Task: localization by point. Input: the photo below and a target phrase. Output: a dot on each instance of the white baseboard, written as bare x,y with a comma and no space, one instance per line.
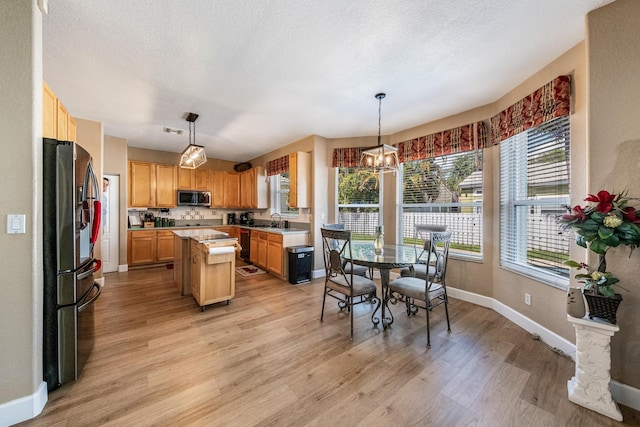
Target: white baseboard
24,408
100,281
318,273
123,267
621,393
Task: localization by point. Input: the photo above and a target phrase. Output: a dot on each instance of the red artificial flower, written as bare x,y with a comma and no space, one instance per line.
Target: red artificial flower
579,214
630,214
604,200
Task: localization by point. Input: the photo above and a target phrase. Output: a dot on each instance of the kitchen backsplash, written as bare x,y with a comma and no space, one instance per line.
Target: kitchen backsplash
195,214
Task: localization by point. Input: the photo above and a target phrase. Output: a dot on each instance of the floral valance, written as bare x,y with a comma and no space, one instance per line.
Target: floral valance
347,157
550,101
463,138
278,166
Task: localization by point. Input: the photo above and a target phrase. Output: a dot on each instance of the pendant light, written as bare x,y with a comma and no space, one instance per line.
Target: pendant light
382,157
193,156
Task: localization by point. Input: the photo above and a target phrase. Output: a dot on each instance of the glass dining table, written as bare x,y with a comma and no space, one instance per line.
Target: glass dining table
393,256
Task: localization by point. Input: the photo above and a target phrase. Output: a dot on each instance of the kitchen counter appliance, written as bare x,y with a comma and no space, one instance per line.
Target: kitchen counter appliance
245,242
71,224
194,198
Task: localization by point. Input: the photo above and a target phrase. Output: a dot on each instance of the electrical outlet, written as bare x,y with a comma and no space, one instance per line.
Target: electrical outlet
527,299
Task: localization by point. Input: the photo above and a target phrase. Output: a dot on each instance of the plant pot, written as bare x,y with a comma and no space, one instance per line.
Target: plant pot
604,307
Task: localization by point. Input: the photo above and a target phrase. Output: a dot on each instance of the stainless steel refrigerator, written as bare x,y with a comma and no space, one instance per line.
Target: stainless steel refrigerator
71,221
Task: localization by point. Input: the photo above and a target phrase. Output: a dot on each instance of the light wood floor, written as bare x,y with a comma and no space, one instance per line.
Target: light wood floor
266,359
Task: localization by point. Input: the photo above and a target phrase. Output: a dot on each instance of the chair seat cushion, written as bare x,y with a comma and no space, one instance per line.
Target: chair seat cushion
361,285
414,287
360,270
420,271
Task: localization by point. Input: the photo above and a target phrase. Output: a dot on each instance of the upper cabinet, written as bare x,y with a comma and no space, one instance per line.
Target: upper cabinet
194,179
49,112
218,183
299,179
232,190
253,189
152,185
57,123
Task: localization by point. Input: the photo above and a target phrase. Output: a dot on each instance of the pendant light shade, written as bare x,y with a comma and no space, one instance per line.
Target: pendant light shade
382,157
193,156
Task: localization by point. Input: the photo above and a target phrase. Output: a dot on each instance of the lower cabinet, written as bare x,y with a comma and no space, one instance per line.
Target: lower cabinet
275,254
149,247
213,275
268,250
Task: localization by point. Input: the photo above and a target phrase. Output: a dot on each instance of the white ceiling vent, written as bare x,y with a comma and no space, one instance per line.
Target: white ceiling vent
174,131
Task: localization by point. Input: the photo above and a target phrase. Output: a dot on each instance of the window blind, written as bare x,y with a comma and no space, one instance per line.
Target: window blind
445,190
358,201
534,188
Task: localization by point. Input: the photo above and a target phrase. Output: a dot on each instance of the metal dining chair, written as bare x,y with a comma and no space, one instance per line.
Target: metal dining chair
431,288
348,267
347,287
423,234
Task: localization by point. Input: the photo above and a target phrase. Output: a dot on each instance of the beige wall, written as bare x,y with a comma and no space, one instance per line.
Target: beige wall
115,163
613,43
487,277
166,157
21,193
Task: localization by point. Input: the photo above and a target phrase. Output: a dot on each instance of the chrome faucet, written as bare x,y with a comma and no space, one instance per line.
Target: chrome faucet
279,219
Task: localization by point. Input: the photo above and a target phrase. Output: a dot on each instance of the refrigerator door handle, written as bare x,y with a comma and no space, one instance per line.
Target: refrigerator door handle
86,273
93,298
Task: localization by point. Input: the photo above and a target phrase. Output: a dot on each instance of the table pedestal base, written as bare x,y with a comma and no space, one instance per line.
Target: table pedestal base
590,386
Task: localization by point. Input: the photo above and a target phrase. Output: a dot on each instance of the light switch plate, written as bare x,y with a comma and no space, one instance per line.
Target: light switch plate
16,224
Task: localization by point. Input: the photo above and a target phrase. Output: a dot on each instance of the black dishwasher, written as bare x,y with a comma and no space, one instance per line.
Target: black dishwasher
245,242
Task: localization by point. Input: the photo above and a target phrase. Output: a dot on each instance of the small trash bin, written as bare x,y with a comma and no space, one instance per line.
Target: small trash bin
300,263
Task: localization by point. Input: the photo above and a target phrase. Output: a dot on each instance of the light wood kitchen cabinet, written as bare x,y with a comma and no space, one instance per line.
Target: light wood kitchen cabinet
232,190
253,248
213,276
299,179
71,129
258,250
141,247
186,179
152,185
196,269
142,184
193,179
253,189
166,177
150,247
217,186
164,245
57,123
63,122
49,112
262,250
275,254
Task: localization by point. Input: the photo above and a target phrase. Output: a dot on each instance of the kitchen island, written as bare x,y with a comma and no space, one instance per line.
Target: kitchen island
182,253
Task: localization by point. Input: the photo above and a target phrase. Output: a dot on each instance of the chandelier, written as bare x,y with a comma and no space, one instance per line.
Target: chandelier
382,157
193,156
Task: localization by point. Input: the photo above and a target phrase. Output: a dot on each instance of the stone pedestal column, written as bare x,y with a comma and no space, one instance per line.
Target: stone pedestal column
590,385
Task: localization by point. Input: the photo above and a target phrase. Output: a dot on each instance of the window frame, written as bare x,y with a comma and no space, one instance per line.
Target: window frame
477,209
276,197
514,197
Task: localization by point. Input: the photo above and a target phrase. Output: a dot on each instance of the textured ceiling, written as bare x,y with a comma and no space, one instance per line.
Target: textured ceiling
263,74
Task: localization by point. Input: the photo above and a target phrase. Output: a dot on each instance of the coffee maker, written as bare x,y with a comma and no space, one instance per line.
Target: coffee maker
231,218
245,218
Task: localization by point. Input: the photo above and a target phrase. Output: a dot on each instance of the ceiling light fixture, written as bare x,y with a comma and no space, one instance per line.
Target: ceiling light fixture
194,155
382,157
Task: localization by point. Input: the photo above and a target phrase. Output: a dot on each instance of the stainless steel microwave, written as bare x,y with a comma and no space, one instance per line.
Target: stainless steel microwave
194,198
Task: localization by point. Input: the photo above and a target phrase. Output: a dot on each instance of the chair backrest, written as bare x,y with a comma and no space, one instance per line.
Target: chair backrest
423,233
336,247
336,226
440,256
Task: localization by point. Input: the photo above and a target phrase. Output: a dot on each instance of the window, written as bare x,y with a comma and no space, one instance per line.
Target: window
534,188
280,194
358,201
445,190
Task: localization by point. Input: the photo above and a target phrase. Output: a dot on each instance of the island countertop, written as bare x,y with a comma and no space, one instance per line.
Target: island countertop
200,234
